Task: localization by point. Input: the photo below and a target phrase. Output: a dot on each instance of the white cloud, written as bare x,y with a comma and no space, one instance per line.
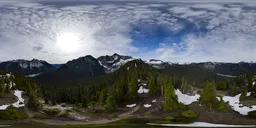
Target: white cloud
100,30
193,14
213,7
29,30
230,36
179,10
220,47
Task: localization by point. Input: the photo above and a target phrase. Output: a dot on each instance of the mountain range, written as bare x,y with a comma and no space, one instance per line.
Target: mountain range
90,66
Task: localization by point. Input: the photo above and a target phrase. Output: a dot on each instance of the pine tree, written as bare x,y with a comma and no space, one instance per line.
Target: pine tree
33,102
103,96
244,93
132,88
208,94
233,89
152,86
161,80
171,99
121,89
111,101
184,86
1,90
221,105
223,85
249,78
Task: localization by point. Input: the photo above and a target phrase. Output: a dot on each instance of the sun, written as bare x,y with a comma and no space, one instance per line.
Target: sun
68,42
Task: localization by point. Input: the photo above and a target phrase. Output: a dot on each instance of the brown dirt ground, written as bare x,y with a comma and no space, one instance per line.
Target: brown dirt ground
213,116
8,99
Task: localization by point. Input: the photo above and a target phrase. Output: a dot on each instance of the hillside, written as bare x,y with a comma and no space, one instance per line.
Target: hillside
233,69
83,68
196,75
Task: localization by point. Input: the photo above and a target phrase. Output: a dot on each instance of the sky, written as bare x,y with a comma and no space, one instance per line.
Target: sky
186,31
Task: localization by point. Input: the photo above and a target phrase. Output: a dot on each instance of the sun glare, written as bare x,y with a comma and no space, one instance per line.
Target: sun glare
68,42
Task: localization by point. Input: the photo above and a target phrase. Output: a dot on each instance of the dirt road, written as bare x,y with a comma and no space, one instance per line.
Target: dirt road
102,121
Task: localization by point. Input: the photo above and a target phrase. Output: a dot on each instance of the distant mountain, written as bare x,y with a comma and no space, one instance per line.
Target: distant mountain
84,66
159,64
26,67
57,65
112,63
233,69
81,68
219,68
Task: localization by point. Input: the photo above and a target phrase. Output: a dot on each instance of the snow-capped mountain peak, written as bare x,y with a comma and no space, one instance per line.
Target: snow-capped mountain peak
113,62
159,64
154,61
26,67
30,64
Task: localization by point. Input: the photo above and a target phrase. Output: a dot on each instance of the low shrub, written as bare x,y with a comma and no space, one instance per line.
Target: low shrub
252,114
41,116
172,120
113,115
148,113
65,114
169,118
189,114
166,120
11,114
51,111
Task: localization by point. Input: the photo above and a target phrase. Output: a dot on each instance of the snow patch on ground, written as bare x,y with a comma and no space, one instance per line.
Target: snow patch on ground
186,99
131,105
202,124
230,76
234,102
8,75
142,90
18,104
33,75
153,101
11,84
248,93
147,105
77,116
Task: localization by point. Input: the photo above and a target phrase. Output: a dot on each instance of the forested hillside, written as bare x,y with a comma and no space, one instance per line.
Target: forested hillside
121,86
194,74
